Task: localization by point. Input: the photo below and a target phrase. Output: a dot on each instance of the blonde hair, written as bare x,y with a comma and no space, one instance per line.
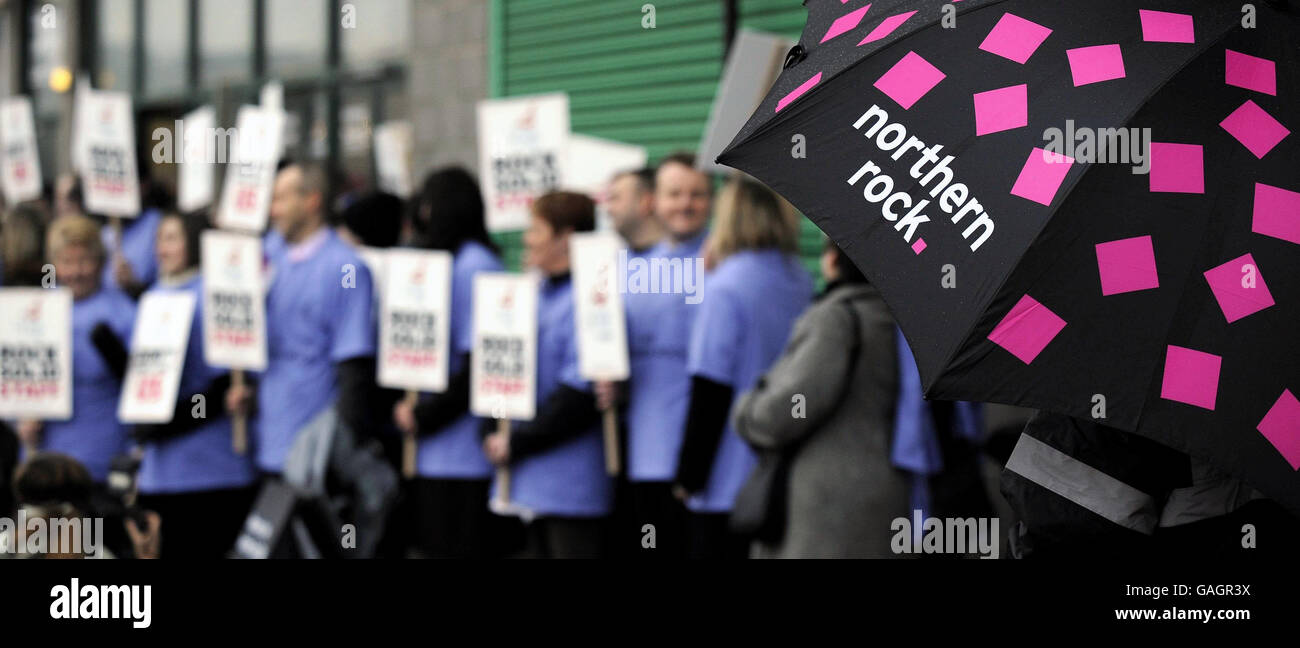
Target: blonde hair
73,230
749,216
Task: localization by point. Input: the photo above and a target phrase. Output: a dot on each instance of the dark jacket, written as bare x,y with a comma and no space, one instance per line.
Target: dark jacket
1080,488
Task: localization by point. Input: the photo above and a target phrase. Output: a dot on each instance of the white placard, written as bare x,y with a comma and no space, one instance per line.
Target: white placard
246,194
414,320
355,129
36,353
20,165
753,65
593,161
110,185
598,317
158,345
503,376
80,155
523,147
196,181
393,158
271,96
234,306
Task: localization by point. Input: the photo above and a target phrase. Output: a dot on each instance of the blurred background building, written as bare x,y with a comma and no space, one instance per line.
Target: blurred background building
348,65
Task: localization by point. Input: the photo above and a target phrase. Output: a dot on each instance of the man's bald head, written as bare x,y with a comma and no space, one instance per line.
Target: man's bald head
298,200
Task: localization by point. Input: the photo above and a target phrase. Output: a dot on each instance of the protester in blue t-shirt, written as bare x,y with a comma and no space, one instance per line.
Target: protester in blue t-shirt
320,331
189,472
660,311
558,482
752,296
453,475
101,323
631,207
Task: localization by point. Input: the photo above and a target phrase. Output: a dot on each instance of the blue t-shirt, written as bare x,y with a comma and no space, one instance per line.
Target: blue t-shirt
568,479
272,244
201,459
139,237
659,331
93,436
751,301
454,452
317,315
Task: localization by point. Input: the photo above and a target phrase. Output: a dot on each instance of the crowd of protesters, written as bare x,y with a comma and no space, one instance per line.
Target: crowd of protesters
756,371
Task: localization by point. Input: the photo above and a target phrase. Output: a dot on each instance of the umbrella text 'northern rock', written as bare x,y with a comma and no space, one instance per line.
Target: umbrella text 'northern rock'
953,198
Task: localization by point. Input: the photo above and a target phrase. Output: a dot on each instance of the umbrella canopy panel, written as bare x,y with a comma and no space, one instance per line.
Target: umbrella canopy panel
1164,293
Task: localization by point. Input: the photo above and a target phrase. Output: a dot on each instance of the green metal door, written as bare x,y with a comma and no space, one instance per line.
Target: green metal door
628,78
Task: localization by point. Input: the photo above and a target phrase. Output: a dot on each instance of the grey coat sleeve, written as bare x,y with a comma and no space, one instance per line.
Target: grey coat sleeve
813,366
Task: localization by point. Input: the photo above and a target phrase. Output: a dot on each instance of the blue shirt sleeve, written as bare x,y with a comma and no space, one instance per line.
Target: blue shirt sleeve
143,260
569,373
353,333
462,311
123,319
715,338
470,260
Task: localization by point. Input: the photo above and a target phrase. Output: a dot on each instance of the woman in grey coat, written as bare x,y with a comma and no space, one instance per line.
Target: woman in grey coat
829,400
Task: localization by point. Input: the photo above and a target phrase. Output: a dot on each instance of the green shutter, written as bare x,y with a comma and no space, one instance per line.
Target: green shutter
651,87
784,17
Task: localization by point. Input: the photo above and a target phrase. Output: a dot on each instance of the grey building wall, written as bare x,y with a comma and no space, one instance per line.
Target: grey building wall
447,76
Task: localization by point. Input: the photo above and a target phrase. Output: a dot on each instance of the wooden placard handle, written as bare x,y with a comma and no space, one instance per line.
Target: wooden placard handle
33,446
408,441
611,441
238,420
503,472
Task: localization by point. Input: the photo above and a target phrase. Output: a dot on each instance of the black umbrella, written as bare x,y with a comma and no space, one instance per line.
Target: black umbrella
1155,288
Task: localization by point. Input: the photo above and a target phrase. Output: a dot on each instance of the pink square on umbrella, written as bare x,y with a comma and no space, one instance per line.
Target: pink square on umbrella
1276,213
1001,109
1027,329
1095,64
886,27
1166,27
1176,168
1127,265
798,92
1254,128
845,23
1281,426
909,79
1239,287
1042,176
1015,38
1191,376
1250,72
